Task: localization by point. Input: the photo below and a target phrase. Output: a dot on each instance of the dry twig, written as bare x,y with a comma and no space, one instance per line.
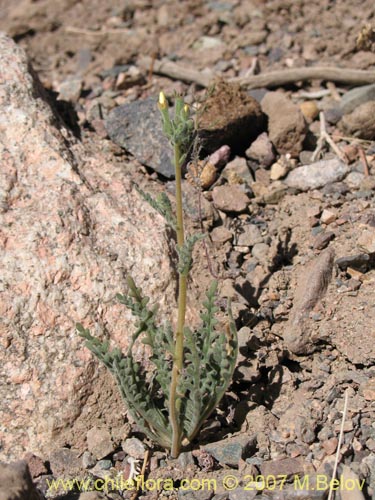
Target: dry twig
142,473
337,458
325,137
271,79
364,161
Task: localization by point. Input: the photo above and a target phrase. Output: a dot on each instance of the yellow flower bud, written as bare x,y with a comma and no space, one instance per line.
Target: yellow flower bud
186,108
162,101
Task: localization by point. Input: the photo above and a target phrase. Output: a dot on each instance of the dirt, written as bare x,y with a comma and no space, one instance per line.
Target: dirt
290,397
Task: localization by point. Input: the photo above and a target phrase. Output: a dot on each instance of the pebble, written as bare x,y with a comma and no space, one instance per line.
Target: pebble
360,122
321,240
134,447
333,115
104,464
229,451
88,460
221,235
64,462
185,458
328,216
366,241
360,262
316,175
220,157
368,390
36,465
208,175
330,445
230,198
278,171
286,125
70,90
237,172
284,466
262,150
130,78
99,442
249,236
260,251
309,110
127,123
354,179
355,97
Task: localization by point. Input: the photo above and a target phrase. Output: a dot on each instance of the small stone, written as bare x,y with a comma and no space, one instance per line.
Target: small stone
354,179
131,77
283,466
330,445
163,15
249,236
127,123
88,460
207,43
309,110
230,198
328,216
360,123
134,447
366,241
99,442
185,458
260,251
261,150
64,462
368,390
221,235
70,90
360,262
286,124
237,172
208,175
104,464
36,465
220,157
229,451
333,115
243,335
321,241
316,175
278,171
353,273
355,97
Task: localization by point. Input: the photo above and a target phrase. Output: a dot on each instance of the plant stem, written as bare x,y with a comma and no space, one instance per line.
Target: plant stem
174,401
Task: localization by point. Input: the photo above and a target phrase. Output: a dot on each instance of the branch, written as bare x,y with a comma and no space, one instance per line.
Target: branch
271,79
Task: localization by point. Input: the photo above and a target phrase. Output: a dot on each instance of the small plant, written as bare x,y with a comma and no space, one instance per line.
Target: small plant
193,368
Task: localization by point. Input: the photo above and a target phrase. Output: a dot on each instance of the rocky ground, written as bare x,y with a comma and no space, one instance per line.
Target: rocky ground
286,186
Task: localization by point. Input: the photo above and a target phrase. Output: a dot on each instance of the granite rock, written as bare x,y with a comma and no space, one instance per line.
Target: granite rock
72,227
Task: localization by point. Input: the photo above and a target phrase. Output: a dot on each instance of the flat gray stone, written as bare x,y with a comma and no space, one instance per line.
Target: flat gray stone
355,97
317,175
137,127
